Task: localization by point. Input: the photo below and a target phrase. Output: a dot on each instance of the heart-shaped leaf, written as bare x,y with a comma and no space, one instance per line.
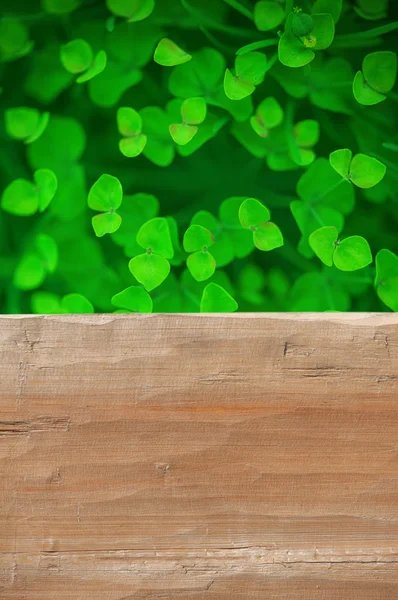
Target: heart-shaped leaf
133,299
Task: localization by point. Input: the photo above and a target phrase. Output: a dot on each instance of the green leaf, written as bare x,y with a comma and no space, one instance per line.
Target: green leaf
159,147
154,235
132,10
253,213
30,272
45,303
168,54
333,7
292,52
323,31
352,254
268,15
306,133
20,198
46,184
193,111
76,56
341,161
323,243
133,299
320,184
216,299
371,10
366,171
182,133
149,269
20,123
14,39
250,69
380,70
105,194
269,114
42,126
363,93
60,7
97,66
267,237
196,238
106,223
47,250
129,123
76,304
387,278
201,265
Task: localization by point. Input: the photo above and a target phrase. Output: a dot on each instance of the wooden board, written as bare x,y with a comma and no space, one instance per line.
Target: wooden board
199,457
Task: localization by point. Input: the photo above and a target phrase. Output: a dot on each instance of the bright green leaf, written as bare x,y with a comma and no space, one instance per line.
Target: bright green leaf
366,171
352,253
97,66
380,70
76,304
201,265
168,54
76,56
268,15
133,299
30,272
154,235
193,111
149,269
216,299
182,133
267,237
253,213
196,238
47,184
20,198
47,249
106,223
292,52
105,194
323,243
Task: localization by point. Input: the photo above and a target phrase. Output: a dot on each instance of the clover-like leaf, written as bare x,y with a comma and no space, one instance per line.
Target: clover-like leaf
371,10
76,304
105,194
129,124
292,52
333,7
352,253
267,236
269,114
377,78
76,56
24,198
323,32
216,299
47,249
201,265
106,223
96,67
154,235
268,15
46,186
25,124
387,278
133,299
196,238
168,54
366,171
193,111
46,303
253,213
182,133
30,272
323,243
362,170
306,133
132,10
150,269
250,69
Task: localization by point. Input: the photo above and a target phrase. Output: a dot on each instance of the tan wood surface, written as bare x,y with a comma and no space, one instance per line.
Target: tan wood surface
199,457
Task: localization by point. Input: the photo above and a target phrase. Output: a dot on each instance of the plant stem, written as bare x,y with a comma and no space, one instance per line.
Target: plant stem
331,189
257,46
203,19
289,116
369,34
242,9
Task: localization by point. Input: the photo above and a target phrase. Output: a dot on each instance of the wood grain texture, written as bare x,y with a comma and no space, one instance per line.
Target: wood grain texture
199,457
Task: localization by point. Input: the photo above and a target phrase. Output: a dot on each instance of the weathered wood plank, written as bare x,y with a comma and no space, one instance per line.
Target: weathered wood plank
199,456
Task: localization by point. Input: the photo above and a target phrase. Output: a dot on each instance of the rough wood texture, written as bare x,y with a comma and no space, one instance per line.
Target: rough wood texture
199,457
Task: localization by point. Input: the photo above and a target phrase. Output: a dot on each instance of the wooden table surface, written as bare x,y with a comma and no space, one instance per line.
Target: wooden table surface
199,457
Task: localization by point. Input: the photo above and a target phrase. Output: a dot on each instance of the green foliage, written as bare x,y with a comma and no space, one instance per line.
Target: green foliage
377,78
151,188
